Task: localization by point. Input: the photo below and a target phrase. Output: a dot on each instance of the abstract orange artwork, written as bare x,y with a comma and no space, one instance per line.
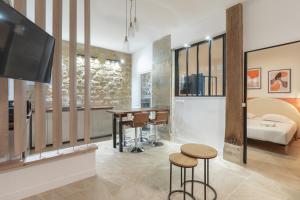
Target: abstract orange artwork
280,81
254,78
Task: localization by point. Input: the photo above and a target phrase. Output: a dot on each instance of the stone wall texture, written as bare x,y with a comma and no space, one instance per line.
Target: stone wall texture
110,82
162,72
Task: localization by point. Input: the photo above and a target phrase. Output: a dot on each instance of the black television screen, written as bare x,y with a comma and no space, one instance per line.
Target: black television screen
26,51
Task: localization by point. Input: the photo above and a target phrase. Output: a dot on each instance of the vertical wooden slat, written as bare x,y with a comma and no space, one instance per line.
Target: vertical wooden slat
234,75
3,116
57,76
40,125
72,73
20,128
87,44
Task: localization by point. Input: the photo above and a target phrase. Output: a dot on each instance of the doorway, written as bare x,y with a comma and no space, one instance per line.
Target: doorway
272,94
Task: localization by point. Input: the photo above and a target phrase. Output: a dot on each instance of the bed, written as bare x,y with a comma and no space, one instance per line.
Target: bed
261,128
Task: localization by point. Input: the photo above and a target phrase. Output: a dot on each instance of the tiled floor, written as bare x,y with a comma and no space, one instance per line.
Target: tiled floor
126,176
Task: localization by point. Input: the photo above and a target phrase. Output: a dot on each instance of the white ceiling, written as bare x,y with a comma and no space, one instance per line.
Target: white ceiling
156,17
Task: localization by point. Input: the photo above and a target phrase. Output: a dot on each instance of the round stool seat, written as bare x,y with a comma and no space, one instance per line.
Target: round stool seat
199,151
181,160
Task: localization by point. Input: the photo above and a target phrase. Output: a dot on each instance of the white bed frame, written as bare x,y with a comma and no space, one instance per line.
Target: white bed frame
261,106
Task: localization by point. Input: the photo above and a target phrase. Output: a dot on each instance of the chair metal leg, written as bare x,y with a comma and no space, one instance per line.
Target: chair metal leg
142,139
156,143
136,148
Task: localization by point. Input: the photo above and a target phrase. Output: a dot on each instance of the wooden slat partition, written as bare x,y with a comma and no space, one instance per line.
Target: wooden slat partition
234,75
40,121
57,76
87,44
3,116
72,73
20,127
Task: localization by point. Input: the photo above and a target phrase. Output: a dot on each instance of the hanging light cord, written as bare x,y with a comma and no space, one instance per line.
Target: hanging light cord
135,9
126,20
130,10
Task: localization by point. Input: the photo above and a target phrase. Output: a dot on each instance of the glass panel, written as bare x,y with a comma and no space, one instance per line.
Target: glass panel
217,67
182,73
203,69
192,71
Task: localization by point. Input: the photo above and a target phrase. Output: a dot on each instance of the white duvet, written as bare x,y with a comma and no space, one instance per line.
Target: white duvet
276,132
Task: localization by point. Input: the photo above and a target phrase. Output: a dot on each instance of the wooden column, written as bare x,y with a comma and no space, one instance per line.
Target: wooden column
72,73
3,116
57,76
87,44
20,126
234,76
40,110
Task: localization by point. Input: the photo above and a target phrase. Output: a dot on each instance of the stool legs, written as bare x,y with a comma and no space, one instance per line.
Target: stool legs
184,189
156,143
205,180
192,182
170,178
181,176
184,185
136,148
142,138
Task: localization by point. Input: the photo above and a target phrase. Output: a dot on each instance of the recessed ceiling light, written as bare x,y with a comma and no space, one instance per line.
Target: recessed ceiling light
122,61
208,38
187,45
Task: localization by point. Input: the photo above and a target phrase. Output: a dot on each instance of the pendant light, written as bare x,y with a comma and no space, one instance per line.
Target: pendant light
131,28
135,21
126,42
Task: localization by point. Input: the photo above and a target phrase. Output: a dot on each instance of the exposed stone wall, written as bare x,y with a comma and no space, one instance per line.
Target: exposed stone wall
110,83
162,72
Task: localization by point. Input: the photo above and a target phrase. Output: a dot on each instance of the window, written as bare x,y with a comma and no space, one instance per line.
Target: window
200,69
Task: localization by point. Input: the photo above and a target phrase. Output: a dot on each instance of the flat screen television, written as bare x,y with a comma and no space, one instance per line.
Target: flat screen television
26,51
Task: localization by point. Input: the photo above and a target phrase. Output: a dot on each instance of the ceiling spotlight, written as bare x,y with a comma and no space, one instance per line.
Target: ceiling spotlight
187,45
208,38
122,61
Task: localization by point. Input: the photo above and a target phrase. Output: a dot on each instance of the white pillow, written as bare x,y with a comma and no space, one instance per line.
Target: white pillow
250,115
275,118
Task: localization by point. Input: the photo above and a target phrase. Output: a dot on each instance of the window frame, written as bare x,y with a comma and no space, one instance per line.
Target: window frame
223,36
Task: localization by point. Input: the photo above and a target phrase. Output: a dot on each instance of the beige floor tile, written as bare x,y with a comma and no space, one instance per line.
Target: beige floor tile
127,176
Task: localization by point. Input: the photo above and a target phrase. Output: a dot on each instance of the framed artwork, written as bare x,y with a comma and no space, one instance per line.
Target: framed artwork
254,78
279,81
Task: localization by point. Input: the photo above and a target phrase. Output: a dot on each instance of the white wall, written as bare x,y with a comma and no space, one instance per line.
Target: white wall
265,23
269,22
283,57
141,63
200,120
28,181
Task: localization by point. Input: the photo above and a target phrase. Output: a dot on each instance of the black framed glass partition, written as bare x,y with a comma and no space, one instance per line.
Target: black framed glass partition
200,68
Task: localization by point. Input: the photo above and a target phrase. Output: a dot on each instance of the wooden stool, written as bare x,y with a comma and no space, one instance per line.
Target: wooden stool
200,151
139,121
184,162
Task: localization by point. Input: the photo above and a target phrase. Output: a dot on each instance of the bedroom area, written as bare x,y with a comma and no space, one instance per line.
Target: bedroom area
273,99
